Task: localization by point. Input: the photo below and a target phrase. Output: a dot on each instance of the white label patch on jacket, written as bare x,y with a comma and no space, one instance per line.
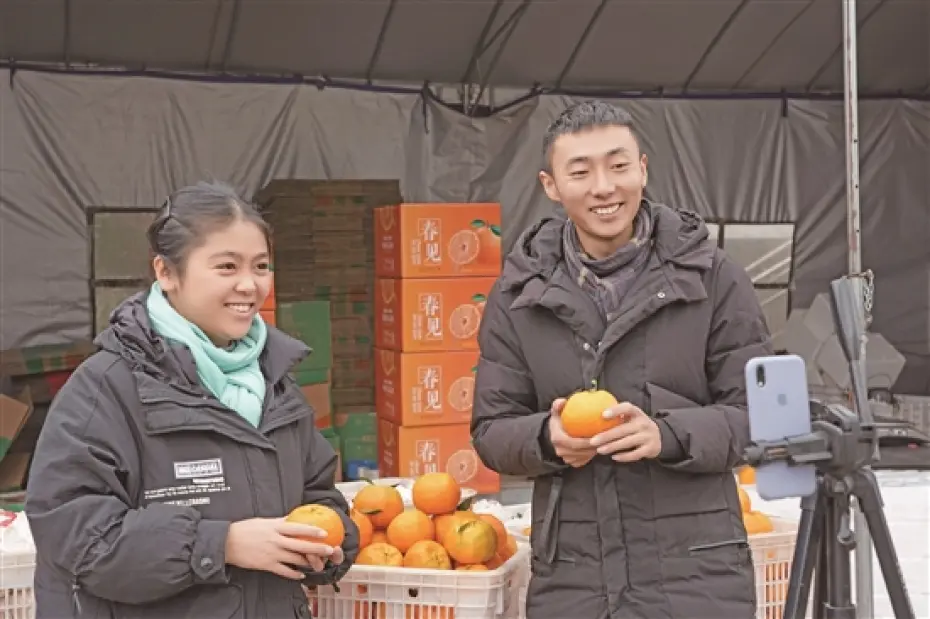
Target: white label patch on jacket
204,478
198,468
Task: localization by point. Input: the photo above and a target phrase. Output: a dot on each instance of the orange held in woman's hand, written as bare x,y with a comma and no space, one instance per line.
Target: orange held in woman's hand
324,518
583,413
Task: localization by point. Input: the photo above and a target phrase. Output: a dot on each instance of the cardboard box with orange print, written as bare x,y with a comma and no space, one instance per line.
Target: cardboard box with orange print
438,240
425,388
420,315
409,452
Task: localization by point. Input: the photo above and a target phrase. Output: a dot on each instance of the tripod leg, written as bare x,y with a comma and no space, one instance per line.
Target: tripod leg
838,541
865,488
807,551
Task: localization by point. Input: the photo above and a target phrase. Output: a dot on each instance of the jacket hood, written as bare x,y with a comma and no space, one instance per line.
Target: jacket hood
681,238
131,336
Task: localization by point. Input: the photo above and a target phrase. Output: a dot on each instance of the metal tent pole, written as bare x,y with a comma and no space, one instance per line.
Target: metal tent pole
864,581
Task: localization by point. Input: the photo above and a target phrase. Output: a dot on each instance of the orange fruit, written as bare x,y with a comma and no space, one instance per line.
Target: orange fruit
471,542
436,493
408,528
463,465
745,502
757,523
464,321
746,475
498,528
505,549
380,503
445,522
380,554
365,529
427,554
323,517
379,537
462,393
583,414
464,247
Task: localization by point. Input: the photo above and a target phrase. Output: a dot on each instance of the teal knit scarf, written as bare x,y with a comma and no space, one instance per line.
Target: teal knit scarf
232,375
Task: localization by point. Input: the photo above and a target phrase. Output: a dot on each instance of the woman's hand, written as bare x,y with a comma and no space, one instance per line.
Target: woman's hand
274,545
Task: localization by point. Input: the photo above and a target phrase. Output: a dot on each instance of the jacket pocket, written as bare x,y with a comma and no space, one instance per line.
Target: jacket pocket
711,580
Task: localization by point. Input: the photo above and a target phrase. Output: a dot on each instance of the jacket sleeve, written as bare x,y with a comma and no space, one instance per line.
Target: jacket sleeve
320,488
509,434
79,504
711,439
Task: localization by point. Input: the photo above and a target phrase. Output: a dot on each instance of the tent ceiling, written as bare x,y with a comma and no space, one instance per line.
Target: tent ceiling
696,45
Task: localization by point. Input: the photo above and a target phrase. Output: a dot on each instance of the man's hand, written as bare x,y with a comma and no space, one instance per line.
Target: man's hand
635,439
576,452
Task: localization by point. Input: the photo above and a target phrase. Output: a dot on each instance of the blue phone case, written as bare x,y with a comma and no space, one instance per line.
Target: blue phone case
779,408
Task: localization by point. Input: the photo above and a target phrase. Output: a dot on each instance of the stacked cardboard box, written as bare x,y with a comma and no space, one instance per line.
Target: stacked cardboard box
323,251
31,378
435,264
358,436
309,322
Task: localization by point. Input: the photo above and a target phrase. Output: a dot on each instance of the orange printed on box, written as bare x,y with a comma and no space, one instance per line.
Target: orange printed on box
410,452
425,388
420,315
438,240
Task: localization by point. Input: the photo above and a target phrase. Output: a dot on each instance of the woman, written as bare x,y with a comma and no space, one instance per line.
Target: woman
170,457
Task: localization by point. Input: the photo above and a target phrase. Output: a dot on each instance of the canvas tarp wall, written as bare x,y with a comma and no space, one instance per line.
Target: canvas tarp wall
71,141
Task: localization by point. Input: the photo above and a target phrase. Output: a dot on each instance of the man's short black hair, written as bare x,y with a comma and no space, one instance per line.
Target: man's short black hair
586,115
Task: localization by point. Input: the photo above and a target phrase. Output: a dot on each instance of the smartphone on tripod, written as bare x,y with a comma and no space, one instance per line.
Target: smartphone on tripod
778,403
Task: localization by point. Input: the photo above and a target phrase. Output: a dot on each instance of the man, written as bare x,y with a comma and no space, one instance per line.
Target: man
642,521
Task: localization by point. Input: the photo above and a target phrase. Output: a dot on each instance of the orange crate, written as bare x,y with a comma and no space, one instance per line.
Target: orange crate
409,452
420,315
429,388
438,240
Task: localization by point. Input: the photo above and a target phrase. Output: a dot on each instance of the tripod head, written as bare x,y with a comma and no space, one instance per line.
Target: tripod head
842,440
838,445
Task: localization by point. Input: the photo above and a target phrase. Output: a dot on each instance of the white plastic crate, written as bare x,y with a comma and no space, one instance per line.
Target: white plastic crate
771,554
16,577
17,567
372,592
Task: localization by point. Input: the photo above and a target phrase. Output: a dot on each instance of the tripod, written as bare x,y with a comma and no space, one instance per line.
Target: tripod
841,449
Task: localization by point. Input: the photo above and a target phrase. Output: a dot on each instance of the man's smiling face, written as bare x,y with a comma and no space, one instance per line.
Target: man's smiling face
598,175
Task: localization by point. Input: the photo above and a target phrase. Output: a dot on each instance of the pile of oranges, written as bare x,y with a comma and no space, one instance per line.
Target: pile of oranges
438,532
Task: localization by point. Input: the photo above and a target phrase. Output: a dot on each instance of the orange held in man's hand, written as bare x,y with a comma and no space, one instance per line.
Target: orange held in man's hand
583,413
324,518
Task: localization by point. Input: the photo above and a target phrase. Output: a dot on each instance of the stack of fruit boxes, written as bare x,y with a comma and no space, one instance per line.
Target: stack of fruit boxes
435,265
